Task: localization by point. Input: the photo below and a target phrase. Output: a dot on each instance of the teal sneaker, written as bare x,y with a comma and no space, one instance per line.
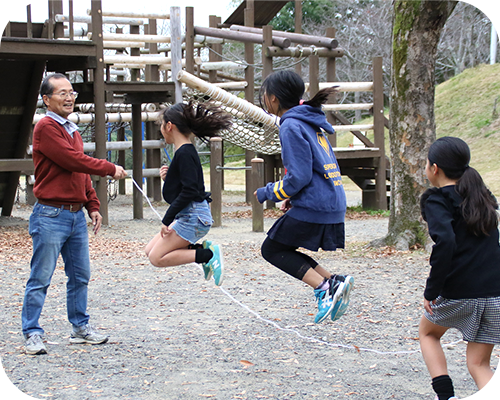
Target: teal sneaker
329,300
348,286
216,264
207,271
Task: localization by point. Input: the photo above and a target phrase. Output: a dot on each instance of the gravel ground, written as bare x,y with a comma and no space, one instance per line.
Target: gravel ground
175,336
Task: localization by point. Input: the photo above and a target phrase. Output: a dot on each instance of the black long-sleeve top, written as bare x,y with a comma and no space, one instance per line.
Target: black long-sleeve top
463,265
184,182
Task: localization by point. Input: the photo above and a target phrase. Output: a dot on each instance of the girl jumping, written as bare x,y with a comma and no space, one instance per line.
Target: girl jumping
188,219
463,287
312,192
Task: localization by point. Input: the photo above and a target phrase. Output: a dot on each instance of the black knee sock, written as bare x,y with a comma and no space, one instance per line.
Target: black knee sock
443,386
203,255
195,246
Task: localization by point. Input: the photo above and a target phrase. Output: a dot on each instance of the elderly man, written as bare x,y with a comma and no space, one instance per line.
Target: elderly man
58,224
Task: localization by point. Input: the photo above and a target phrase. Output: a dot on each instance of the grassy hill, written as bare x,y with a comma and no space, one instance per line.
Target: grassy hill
464,108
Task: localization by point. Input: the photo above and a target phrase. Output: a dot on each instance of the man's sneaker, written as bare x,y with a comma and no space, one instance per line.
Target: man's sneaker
348,285
328,299
216,264
206,268
34,345
86,334
451,398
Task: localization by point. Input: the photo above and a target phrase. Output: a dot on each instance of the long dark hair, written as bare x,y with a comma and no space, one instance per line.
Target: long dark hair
479,206
288,87
204,120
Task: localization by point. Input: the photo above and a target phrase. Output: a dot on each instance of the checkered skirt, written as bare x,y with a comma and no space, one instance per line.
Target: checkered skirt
477,319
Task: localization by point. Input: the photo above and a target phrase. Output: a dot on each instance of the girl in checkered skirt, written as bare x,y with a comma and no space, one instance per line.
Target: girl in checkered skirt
463,287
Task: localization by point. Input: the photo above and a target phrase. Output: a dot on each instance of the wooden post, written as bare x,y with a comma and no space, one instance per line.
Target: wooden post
257,182
190,40
71,27
100,107
29,24
176,49
153,156
122,184
215,180
137,160
378,131
298,29
313,75
120,137
267,62
249,94
331,76
135,74
212,76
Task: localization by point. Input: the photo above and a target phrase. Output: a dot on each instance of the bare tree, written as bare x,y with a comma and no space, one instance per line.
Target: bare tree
417,28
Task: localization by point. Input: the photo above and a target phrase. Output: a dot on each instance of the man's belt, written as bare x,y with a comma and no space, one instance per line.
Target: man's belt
71,207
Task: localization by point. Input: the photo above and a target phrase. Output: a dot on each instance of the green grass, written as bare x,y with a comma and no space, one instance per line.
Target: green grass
464,108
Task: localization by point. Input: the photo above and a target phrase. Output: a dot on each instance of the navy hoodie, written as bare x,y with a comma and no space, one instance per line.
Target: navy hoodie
312,182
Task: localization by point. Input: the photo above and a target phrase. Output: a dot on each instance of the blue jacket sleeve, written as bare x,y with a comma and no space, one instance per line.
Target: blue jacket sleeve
296,154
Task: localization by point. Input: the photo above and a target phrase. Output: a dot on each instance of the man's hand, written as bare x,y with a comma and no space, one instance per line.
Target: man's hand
96,221
120,173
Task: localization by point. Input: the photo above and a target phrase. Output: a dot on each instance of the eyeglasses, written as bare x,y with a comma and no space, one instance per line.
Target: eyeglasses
66,94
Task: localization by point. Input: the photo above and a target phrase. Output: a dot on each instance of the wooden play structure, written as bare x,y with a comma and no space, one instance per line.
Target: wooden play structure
128,77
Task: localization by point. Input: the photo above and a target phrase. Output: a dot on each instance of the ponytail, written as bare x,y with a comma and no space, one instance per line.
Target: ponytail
204,120
321,97
479,206
288,87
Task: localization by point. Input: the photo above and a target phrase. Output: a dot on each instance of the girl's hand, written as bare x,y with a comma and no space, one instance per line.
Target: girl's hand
163,172
285,205
165,230
427,305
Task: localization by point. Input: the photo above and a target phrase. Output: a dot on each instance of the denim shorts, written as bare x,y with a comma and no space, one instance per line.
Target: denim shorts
193,222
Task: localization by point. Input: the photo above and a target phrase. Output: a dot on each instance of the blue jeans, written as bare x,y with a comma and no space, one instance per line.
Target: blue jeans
57,231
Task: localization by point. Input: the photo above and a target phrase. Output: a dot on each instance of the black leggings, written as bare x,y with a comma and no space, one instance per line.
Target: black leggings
287,258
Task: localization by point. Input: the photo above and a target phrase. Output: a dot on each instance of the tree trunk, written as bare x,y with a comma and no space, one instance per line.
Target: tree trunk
417,27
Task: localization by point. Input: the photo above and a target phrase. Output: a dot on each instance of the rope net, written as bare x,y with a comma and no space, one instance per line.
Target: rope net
253,129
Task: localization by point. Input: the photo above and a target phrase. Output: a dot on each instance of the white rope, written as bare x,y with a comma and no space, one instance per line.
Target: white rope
146,197
309,338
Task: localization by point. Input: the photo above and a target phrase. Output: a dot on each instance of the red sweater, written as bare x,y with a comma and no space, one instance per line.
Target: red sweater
62,169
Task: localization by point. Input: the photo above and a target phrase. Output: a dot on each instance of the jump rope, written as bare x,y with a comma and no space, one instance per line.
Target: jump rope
277,326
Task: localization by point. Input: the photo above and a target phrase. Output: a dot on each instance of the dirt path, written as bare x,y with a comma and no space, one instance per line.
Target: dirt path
175,336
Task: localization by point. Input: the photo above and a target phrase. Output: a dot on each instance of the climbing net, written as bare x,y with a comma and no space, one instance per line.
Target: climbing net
253,129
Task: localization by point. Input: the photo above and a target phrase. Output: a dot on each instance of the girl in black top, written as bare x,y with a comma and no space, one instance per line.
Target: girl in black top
463,287
188,219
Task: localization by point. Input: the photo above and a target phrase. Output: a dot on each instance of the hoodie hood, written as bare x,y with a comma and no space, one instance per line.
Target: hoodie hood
311,115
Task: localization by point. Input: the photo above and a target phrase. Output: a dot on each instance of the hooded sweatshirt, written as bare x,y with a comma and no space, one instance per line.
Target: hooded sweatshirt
313,182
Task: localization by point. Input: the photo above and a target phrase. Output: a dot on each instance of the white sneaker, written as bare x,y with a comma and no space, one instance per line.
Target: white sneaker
86,334
34,345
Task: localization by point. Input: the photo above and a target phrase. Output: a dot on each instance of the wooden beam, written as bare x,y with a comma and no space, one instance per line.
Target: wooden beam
100,106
